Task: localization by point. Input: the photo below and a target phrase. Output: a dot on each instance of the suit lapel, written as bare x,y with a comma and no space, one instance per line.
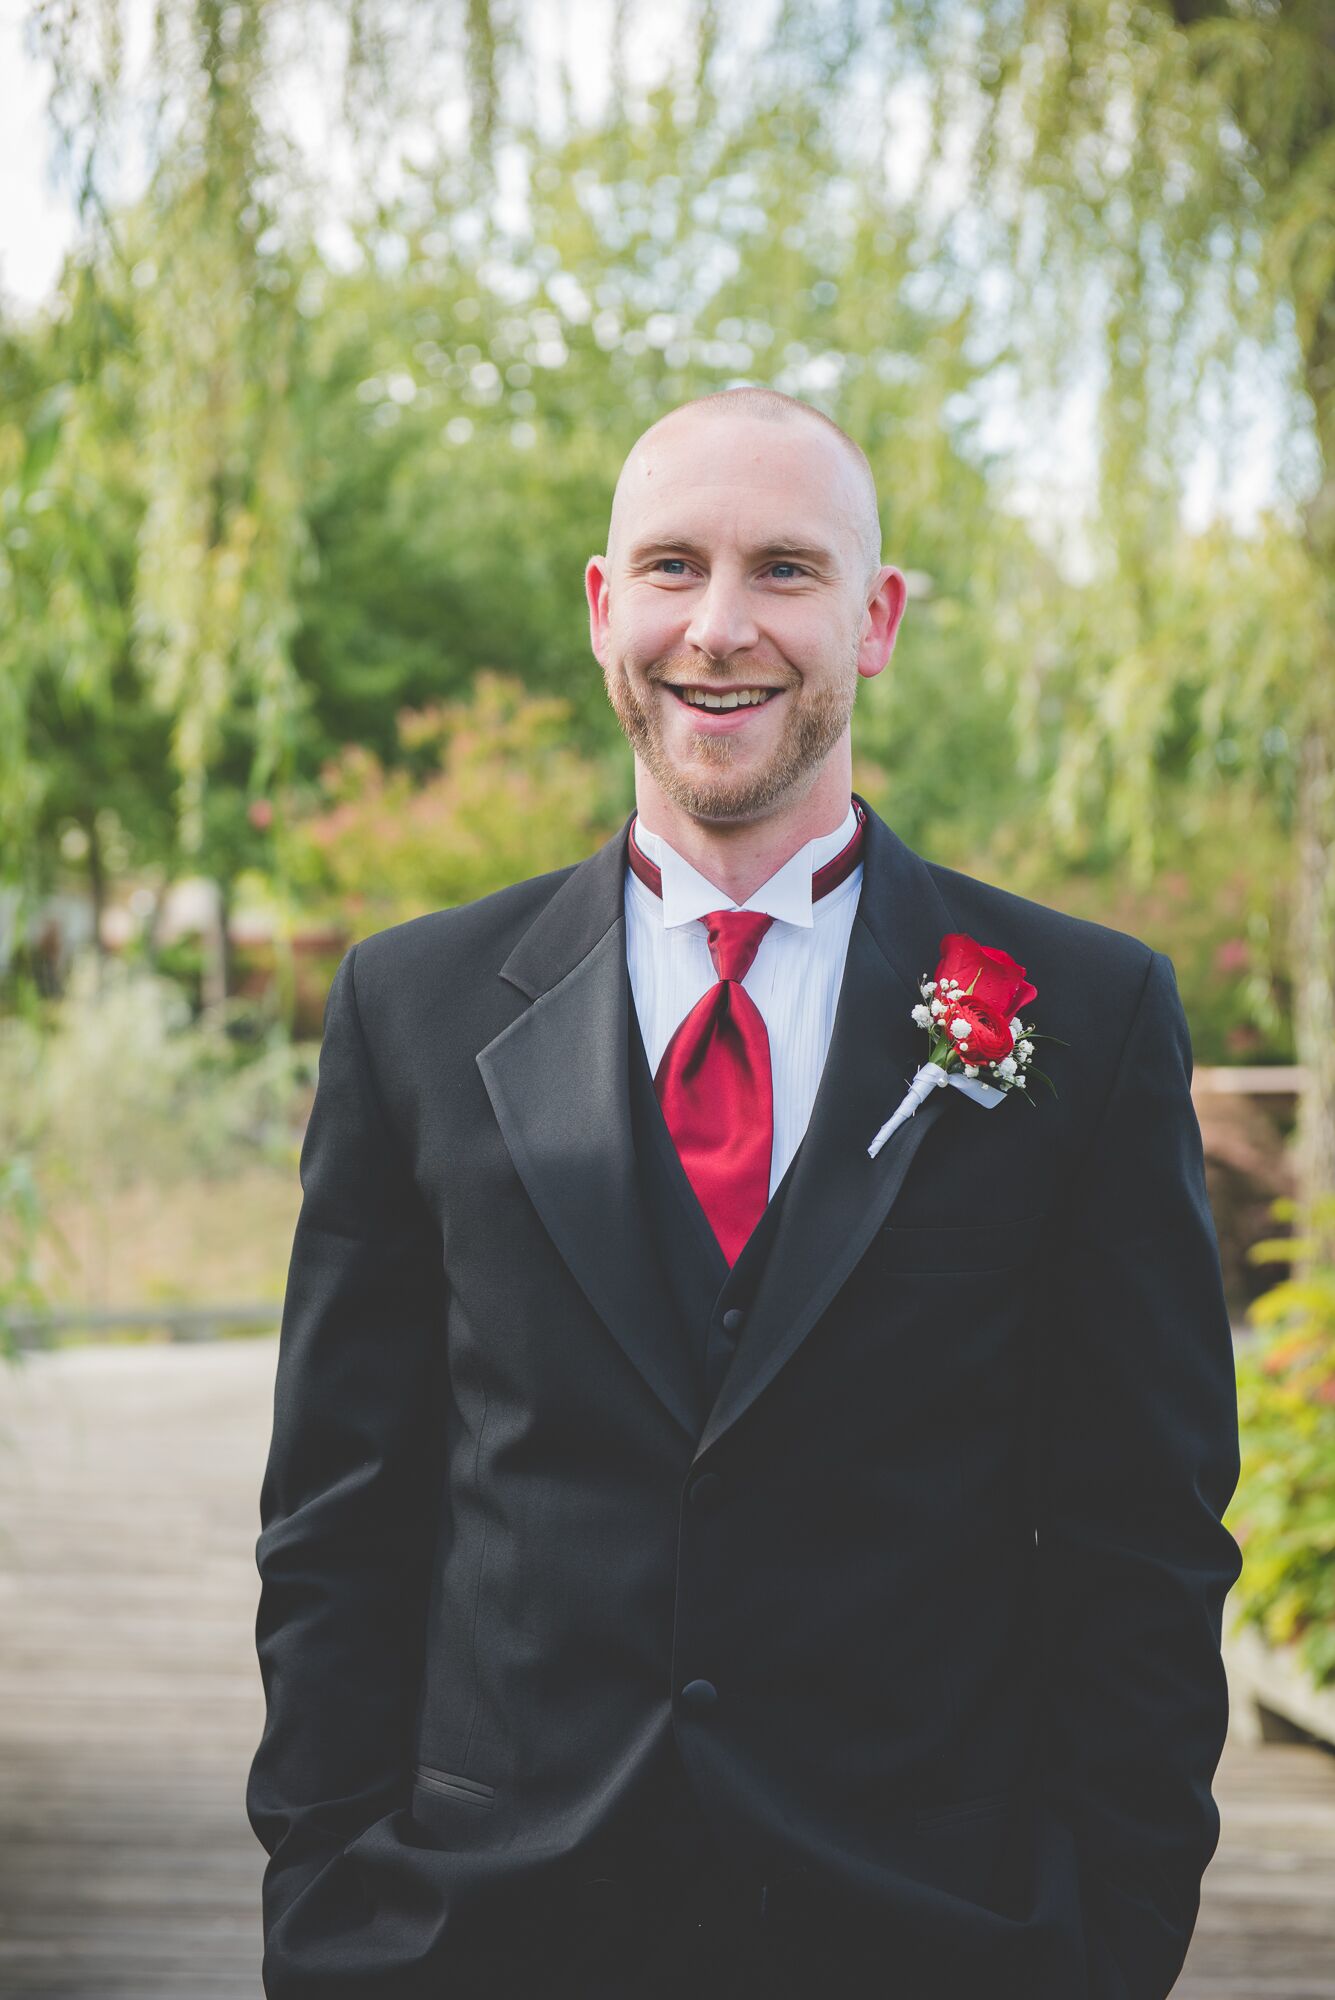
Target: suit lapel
559,1085
558,1082
838,1197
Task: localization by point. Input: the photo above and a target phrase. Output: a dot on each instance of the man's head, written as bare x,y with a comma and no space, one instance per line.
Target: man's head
743,559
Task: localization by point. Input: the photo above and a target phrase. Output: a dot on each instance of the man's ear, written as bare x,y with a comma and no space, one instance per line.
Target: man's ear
596,590
885,608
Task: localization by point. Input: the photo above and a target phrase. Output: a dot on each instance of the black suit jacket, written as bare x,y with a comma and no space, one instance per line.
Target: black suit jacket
960,1586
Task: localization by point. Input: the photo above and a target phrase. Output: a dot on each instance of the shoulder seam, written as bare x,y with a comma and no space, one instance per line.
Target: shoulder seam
363,1045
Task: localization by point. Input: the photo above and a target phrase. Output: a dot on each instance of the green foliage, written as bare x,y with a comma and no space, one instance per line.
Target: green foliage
202,290
1283,1512
491,793
1147,705
255,503
1159,177
22,1226
386,475
1218,906
1151,197
119,1084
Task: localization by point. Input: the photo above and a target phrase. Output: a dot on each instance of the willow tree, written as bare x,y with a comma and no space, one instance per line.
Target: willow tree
722,186
474,394
1157,181
202,268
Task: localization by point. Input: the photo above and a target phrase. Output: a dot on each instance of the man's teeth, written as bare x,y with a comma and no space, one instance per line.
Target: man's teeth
735,698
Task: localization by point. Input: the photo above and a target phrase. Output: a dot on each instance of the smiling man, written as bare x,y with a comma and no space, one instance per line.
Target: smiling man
705,1554
741,596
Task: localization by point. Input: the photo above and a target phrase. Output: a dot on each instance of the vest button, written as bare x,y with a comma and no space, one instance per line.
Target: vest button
706,1492
732,1319
699,1695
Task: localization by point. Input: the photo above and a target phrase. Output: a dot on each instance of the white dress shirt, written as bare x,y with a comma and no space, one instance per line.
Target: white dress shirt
794,978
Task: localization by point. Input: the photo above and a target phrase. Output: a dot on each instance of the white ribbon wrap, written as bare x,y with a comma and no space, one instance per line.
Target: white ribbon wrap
927,1079
986,1094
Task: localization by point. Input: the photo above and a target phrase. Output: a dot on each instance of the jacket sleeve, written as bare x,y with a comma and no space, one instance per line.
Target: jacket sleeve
1138,1461
350,1501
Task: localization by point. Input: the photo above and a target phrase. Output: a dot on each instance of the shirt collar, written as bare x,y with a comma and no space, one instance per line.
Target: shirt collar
689,895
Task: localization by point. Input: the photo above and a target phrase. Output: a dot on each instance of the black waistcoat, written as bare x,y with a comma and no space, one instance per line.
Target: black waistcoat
710,1300
711,1303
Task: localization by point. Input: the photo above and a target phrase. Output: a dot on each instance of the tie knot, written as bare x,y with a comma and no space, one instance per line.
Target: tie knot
734,938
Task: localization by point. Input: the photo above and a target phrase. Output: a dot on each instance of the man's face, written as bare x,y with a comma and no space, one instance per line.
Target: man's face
736,575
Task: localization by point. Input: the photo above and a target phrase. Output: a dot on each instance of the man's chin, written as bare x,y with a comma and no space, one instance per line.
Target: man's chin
719,783
722,797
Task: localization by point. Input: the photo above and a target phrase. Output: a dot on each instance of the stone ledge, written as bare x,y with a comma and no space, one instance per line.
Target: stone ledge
1271,1696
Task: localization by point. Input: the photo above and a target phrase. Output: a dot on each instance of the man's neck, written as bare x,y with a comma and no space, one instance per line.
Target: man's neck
738,858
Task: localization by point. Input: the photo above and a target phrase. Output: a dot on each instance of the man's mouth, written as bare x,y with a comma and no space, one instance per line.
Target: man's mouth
722,698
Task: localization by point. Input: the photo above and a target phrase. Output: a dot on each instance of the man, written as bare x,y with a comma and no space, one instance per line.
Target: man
701,1557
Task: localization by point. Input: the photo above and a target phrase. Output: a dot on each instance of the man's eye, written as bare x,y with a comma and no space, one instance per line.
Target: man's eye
678,565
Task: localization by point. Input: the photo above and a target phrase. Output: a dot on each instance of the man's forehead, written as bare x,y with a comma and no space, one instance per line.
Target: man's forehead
683,466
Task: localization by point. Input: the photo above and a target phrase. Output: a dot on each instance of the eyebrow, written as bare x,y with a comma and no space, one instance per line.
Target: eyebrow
680,545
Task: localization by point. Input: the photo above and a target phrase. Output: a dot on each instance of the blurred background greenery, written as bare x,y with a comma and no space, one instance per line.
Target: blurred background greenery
301,461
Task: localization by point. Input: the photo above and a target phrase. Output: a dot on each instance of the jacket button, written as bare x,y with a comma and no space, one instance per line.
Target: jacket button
706,1492
732,1319
699,1694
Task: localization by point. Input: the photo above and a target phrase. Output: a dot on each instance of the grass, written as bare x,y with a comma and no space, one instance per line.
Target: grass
196,1242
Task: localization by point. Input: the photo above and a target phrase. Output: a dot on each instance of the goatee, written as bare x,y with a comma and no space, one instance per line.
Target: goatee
704,789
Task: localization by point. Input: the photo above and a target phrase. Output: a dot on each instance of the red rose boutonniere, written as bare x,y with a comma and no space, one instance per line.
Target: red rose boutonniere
977,1040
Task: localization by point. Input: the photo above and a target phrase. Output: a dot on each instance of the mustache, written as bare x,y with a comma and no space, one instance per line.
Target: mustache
702,670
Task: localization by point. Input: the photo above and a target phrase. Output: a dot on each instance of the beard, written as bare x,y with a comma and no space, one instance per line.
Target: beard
710,787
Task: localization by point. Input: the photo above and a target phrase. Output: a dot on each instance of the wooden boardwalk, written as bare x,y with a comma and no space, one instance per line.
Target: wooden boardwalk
130,1706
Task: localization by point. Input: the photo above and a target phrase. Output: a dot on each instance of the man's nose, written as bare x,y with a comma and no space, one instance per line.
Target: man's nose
722,622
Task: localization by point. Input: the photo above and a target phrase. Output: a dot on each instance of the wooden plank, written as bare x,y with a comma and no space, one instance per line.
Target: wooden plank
129,1695
1250,1079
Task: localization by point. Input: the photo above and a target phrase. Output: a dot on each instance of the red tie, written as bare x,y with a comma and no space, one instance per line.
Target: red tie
713,1082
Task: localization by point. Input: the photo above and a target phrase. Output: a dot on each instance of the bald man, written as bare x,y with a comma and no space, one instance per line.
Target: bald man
710,1547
